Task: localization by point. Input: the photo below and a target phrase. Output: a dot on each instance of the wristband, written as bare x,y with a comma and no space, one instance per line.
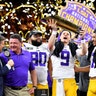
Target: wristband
83,41
54,32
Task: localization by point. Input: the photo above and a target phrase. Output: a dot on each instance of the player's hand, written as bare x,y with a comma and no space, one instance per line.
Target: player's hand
76,68
31,91
52,23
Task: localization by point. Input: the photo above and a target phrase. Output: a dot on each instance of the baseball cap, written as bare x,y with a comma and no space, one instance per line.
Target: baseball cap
34,32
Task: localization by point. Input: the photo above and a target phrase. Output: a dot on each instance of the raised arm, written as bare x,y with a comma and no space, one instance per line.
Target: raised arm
84,45
52,23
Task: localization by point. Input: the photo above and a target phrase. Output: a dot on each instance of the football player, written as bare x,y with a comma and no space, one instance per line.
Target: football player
40,56
63,58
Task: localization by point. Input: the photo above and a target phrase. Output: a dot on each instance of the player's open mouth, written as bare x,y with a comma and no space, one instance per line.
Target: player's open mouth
65,38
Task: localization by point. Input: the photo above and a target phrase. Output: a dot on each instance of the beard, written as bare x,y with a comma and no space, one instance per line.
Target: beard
36,43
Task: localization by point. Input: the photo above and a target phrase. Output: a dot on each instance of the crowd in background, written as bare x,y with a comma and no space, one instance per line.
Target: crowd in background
11,20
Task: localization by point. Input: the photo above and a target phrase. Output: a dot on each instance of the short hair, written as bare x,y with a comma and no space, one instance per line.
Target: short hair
2,38
16,36
67,31
94,31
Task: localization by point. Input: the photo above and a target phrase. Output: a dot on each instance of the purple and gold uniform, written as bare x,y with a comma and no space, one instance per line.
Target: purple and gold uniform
92,74
40,56
63,73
